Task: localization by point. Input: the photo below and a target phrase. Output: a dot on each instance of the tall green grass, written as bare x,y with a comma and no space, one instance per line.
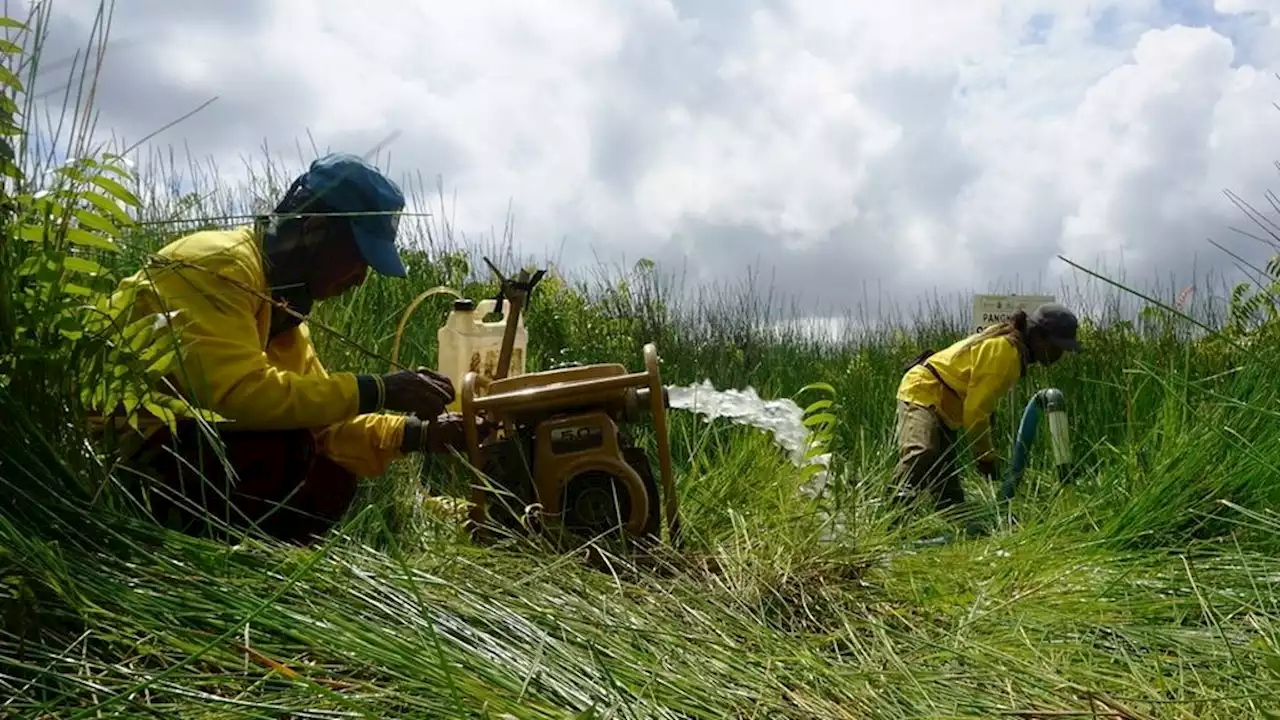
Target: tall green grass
1147,589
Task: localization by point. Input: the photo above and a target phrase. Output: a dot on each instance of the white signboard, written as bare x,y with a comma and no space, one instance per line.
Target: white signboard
991,309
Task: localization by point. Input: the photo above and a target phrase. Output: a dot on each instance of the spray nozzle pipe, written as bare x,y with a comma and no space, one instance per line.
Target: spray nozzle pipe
1055,406
1051,402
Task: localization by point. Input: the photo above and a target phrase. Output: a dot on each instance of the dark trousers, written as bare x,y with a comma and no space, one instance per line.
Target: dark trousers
279,483
928,460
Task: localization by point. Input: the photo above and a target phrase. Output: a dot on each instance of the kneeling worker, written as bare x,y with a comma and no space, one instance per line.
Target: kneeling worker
958,387
299,437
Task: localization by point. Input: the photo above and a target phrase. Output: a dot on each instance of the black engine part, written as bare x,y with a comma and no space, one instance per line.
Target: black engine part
597,502
508,464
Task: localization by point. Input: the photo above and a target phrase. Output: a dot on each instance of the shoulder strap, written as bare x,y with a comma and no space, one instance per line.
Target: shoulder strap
923,359
918,360
934,370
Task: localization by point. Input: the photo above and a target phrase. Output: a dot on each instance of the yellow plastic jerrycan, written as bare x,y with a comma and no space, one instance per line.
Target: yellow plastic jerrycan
467,343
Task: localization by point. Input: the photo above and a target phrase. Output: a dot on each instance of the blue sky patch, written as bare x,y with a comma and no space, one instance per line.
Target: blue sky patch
1037,29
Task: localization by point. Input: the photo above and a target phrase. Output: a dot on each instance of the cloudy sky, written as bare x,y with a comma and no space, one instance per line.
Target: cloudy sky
917,147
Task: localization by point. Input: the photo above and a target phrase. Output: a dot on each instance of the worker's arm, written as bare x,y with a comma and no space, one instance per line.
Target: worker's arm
367,444
994,371
223,367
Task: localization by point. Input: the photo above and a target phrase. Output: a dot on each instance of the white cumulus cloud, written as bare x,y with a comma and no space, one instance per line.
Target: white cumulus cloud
911,146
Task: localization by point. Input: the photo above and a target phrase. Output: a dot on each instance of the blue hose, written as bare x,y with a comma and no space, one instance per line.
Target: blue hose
1050,397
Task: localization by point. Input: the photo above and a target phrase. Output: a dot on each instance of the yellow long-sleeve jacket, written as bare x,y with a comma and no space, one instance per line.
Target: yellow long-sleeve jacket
216,281
976,372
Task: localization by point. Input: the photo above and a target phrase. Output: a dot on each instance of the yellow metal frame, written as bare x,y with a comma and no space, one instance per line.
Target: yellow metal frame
601,386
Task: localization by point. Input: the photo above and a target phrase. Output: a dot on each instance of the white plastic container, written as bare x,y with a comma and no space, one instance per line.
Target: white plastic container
466,344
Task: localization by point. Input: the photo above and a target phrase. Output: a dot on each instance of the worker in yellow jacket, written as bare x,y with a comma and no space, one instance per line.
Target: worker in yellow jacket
298,435
958,388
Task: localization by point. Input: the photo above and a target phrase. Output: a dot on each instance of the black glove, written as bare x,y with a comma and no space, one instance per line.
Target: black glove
423,392
448,433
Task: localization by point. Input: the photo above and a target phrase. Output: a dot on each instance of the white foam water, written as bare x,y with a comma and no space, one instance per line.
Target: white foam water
783,418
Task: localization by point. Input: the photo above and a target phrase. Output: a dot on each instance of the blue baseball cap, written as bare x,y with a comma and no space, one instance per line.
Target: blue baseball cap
347,184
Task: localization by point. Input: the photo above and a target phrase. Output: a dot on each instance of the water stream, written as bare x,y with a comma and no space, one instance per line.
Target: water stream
782,418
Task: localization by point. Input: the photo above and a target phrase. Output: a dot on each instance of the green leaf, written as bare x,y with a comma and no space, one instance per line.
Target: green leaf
80,236
809,471
70,327
131,403
1273,664
72,171
49,269
33,233
110,397
8,78
8,47
169,417
110,164
11,170
136,327
185,409
29,266
96,222
82,265
825,387
819,405
117,191
105,204
135,343
820,419
164,365
97,399
159,344
8,22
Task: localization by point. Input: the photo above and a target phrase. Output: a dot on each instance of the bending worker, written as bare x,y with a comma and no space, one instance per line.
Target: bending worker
959,387
299,437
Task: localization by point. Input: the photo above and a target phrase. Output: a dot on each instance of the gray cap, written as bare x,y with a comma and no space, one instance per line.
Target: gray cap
1058,324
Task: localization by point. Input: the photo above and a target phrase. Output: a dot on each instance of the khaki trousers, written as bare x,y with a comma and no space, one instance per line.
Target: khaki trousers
928,459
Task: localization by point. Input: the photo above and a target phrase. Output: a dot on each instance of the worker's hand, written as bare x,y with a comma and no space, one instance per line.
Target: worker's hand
424,393
449,432
990,468
438,378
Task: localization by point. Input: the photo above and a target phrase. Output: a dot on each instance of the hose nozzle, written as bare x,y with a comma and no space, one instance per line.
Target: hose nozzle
1051,402
1055,405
